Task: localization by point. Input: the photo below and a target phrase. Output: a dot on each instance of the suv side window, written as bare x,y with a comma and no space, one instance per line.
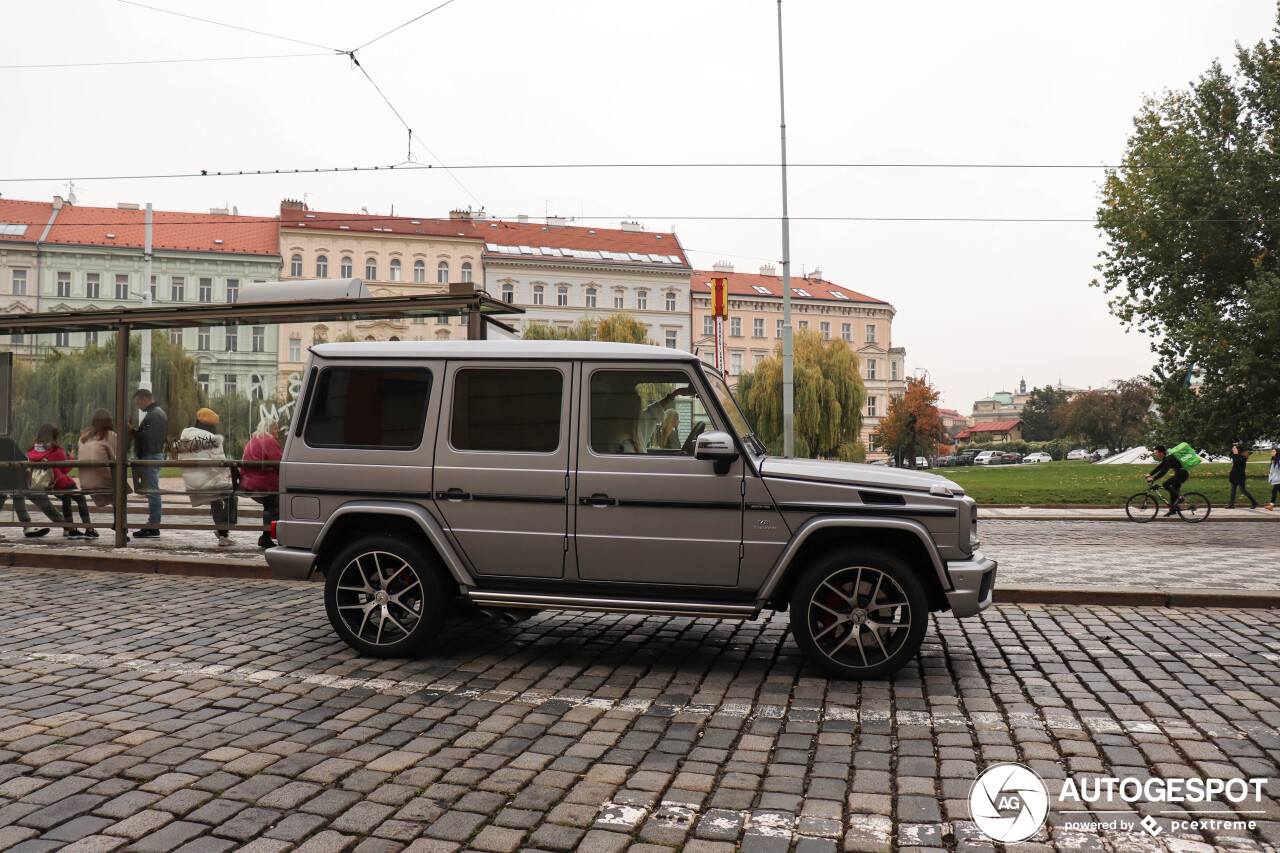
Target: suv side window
515,410
369,407
645,411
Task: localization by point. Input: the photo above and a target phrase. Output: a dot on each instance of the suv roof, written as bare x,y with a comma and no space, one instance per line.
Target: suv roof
500,349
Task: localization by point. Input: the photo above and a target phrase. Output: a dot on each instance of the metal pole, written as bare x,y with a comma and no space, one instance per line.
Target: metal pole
145,381
120,510
788,374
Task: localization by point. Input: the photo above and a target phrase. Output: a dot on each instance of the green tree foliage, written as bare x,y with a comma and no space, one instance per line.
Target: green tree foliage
829,397
1192,246
911,425
621,328
1043,413
1115,418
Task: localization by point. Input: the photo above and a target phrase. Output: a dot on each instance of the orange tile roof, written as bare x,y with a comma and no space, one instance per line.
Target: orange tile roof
993,426
750,284
33,214
319,220
574,243
171,229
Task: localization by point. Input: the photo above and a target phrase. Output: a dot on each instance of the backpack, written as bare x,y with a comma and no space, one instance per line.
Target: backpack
1185,454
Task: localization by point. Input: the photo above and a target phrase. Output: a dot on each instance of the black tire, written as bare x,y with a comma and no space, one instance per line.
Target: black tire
1194,507
1142,507
384,597
845,594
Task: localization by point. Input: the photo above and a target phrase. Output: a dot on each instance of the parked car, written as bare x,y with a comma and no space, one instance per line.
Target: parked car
943,462
1078,454
412,482
966,457
989,457
1011,458
1032,458
922,462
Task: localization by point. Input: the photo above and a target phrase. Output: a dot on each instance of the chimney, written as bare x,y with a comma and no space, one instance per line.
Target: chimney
218,211
459,214
722,266
632,227
556,221
768,270
292,204
523,219
58,202
816,274
125,205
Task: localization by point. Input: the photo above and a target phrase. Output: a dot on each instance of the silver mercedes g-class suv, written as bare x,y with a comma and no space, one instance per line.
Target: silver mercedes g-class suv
418,477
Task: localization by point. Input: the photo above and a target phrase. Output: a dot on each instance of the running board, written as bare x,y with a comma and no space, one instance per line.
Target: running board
612,605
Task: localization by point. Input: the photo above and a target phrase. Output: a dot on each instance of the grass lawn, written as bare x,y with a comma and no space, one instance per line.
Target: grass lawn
1085,484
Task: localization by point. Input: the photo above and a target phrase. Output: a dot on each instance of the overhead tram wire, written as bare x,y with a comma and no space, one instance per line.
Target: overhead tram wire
161,61
402,26
232,26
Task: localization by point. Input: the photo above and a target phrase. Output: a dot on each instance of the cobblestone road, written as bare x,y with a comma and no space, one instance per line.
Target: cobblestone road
158,713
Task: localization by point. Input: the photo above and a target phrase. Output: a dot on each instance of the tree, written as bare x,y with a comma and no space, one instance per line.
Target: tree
912,425
1043,413
1192,255
619,328
1113,418
829,397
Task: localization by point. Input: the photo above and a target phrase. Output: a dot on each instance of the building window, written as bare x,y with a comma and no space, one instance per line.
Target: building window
825,328
619,301
175,337
642,300
295,349
255,385
322,266
671,301
871,334
419,272
538,294
18,340
777,331
233,339
671,338
466,271
92,285
19,282
202,339
295,266
344,268
62,339
91,338
893,370
203,379
871,407
846,331
177,288
153,289
442,272
708,326
508,293
803,324
371,269
757,327
259,338
233,290
562,295
122,286
442,319
591,297
206,290
757,360
871,368
64,284
395,269
229,384
735,363
735,327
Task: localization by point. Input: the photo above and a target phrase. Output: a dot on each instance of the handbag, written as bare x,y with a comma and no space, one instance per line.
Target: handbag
42,479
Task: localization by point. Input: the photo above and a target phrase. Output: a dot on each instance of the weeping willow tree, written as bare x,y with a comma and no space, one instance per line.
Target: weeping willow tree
829,398
619,328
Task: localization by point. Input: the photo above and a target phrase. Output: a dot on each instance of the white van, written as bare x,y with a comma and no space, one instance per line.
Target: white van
989,457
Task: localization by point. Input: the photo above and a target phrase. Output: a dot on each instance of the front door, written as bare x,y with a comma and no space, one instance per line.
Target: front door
502,466
646,511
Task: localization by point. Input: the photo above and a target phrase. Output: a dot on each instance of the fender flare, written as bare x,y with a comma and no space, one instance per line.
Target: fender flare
425,520
783,563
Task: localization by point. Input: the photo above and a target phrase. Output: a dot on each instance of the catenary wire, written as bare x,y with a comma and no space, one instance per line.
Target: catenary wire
230,26
402,26
162,61
321,224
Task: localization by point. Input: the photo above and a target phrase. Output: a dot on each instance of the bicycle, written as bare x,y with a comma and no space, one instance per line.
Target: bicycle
1192,507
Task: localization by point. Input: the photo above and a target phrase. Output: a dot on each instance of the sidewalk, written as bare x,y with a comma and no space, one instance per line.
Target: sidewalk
1108,513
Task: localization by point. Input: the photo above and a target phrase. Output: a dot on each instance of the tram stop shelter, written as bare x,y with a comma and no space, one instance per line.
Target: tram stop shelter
267,303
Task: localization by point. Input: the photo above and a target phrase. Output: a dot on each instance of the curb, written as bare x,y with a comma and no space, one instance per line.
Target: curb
166,565
1263,519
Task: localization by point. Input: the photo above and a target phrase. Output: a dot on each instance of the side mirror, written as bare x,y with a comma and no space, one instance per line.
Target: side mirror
717,447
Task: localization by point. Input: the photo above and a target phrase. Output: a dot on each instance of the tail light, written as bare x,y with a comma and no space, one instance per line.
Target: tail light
273,530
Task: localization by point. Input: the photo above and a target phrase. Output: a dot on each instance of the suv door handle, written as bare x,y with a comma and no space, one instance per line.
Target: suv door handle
454,494
598,500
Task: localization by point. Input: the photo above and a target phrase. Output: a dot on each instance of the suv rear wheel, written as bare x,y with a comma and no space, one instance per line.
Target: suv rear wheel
384,597
859,614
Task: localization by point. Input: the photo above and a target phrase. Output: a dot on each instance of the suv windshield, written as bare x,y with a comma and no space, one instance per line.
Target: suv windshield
736,419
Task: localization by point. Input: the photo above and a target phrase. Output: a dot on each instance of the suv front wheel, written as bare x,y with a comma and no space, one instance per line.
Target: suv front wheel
384,597
859,614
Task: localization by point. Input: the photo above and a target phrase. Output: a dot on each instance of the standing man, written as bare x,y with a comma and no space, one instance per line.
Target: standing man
148,443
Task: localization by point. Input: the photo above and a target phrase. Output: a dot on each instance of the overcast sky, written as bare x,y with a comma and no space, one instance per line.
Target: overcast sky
506,82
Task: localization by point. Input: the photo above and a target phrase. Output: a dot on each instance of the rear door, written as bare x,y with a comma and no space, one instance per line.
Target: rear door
502,465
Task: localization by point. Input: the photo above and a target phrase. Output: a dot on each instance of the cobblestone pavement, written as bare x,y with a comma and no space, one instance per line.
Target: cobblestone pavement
158,713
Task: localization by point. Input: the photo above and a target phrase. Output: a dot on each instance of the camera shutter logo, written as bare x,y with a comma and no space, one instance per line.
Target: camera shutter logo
1008,802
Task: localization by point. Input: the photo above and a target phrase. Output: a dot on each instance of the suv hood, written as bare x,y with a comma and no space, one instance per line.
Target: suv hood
852,473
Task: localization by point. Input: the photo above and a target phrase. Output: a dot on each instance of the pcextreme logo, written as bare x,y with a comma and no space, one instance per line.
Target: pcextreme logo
1008,802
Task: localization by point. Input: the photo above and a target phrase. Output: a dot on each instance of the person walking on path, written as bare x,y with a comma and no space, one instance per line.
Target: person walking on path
208,485
1236,477
148,443
46,449
98,444
1273,476
14,480
264,447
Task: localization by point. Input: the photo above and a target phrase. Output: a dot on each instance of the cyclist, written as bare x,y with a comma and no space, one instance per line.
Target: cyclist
1173,484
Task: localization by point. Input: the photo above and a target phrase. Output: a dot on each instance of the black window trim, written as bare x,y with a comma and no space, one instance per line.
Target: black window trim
313,388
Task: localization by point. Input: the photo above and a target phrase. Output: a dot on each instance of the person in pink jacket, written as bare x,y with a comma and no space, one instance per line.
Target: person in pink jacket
46,449
262,483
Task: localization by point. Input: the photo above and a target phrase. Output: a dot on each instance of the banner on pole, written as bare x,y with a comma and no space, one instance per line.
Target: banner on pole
719,297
